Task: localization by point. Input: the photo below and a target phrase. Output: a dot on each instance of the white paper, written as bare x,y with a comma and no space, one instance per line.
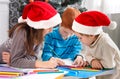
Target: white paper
67,61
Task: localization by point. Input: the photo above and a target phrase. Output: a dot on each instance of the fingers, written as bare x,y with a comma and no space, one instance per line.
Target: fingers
6,57
57,60
46,64
85,63
78,61
96,64
60,62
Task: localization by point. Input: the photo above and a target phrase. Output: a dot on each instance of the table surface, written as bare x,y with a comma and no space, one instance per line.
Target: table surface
86,73
81,73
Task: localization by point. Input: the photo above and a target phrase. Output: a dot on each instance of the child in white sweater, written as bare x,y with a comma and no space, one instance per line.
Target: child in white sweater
101,52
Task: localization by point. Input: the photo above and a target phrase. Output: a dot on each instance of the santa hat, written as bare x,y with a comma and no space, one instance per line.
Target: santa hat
40,15
91,23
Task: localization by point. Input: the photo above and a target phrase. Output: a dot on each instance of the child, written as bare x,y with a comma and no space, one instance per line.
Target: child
62,43
26,37
101,51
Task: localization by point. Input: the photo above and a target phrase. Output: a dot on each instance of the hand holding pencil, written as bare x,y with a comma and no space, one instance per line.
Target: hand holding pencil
58,60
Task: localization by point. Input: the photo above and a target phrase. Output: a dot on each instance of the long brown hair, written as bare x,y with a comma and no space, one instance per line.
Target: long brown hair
33,36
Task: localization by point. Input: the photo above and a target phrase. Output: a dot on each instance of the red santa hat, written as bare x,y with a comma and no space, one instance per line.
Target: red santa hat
40,15
91,23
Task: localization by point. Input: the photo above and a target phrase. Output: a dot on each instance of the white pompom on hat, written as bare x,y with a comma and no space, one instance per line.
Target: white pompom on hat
91,23
40,15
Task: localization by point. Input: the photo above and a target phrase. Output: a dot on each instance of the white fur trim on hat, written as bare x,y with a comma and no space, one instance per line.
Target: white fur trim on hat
43,24
113,25
20,19
86,29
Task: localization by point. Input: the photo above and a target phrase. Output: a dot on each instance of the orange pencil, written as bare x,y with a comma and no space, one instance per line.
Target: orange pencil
45,70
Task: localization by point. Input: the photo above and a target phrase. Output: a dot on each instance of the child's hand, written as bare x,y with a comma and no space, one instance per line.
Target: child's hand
78,61
96,64
59,61
6,57
46,64
85,64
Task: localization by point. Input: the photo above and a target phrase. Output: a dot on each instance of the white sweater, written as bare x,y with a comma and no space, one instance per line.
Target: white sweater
107,52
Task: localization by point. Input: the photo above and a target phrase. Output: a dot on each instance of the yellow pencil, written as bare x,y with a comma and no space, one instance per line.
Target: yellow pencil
11,73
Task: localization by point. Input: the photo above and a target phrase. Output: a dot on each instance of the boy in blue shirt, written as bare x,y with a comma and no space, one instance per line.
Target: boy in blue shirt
62,43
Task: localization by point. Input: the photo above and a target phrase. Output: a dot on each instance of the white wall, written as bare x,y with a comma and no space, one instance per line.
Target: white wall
112,11
115,34
4,20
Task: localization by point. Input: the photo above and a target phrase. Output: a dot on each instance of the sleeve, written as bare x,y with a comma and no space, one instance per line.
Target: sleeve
83,52
18,53
87,55
48,48
108,58
76,49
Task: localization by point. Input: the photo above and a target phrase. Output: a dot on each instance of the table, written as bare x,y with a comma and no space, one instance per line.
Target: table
86,74
68,73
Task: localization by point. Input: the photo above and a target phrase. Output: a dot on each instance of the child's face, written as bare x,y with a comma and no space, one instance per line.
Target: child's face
86,39
65,32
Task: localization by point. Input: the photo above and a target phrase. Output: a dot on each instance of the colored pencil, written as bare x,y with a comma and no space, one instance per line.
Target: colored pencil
53,51
11,73
50,70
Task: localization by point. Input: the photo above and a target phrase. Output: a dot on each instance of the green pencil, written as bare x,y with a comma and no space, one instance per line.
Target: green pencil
53,51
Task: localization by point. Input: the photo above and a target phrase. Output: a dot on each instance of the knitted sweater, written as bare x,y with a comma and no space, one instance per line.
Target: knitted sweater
56,46
18,54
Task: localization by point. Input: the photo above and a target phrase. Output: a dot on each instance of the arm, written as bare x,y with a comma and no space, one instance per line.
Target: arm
89,59
77,47
108,58
76,52
48,48
87,55
18,52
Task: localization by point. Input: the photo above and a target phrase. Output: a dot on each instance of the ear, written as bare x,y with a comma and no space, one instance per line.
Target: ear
91,36
94,36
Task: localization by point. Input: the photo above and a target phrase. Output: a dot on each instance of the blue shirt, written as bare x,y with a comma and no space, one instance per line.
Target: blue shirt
56,46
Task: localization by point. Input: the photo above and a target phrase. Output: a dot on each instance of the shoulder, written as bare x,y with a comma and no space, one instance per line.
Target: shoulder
104,37
107,43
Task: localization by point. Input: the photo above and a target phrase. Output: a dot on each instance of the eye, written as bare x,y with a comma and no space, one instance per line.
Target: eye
80,38
81,34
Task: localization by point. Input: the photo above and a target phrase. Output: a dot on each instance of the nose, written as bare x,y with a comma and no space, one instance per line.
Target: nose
80,38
